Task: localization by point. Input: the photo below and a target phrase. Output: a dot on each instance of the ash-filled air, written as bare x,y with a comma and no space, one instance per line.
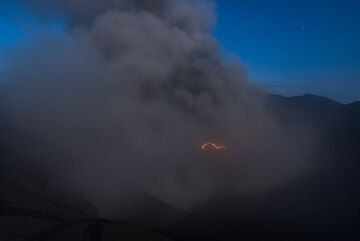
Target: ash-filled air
129,93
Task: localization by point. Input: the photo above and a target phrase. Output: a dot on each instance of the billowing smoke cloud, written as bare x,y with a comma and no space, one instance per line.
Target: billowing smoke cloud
131,91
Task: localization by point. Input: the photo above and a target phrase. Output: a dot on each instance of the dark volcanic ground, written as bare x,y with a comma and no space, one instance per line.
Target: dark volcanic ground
324,205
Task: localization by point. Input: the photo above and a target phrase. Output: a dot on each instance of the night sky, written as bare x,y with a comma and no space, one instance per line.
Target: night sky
288,47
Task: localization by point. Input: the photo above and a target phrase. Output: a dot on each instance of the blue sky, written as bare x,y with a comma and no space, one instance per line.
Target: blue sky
17,25
292,47
288,47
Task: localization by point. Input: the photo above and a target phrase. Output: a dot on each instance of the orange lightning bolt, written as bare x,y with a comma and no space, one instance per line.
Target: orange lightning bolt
214,146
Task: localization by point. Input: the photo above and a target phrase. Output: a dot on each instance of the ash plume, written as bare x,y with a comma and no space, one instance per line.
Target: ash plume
132,90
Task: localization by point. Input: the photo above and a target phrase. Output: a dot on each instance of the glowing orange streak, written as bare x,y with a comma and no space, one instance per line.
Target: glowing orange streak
204,147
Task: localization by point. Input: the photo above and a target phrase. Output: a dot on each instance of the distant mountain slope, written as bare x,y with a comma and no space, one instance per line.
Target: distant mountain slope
337,125
307,109
308,101
312,108
354,105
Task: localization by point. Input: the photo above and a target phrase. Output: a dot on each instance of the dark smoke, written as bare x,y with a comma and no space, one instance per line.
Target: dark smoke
132,90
